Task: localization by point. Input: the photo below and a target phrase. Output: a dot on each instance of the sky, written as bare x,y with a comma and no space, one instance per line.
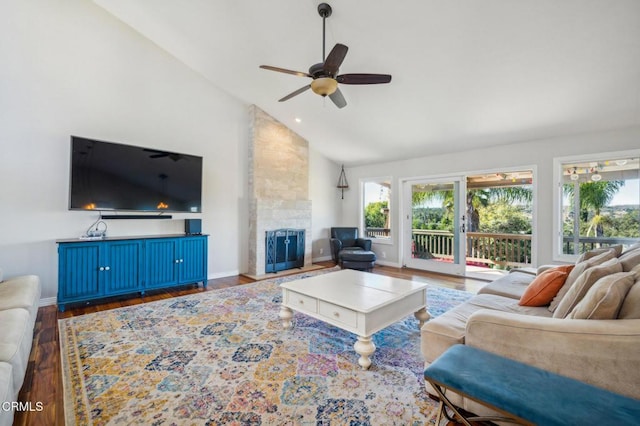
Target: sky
628,194
374,193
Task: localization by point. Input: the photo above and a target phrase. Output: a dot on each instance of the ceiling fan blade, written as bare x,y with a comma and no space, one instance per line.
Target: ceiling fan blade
338,99
363,78
296,93
286,71
335,58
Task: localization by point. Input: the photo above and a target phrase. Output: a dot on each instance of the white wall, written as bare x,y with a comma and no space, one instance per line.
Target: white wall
539,153
68,67
326,203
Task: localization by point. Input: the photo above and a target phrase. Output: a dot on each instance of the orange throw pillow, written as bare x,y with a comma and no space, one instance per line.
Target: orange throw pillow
563,268
544,287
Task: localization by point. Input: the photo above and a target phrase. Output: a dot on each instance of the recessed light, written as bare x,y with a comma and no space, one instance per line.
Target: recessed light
298,120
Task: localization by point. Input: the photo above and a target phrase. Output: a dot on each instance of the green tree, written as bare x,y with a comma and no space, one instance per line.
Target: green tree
427,217
477,199
594,196
505,218
628,225
373,214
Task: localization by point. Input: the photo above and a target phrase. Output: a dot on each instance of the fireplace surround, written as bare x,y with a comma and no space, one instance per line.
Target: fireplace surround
278,186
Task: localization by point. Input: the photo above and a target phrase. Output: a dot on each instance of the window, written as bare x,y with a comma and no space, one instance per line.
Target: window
599,202
376,198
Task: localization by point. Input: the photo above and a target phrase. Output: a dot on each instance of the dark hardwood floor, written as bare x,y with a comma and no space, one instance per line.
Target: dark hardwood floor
43,380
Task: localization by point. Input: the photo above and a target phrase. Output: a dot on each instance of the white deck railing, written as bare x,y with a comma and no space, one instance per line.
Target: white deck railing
503,250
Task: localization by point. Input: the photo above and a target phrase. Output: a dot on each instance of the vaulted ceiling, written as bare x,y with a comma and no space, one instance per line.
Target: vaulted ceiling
466,74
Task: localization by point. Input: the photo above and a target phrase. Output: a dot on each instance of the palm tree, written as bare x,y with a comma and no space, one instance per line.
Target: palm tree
476,198
594,196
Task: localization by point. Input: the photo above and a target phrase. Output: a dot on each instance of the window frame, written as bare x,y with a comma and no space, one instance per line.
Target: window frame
378,179
558,163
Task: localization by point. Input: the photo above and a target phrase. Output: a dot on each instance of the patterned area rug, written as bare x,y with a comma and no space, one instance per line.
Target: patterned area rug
221,357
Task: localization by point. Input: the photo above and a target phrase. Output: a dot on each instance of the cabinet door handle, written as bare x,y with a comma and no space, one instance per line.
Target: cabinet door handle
107,268
181,260
101,268
177,260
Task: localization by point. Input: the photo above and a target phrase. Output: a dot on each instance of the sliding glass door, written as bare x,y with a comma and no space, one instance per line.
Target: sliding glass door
478,225
434,224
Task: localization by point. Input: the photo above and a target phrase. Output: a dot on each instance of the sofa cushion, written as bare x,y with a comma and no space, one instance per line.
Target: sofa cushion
582,285
449,328
543,288
629,260
595,252
15,342
525,270
604,298
630,308
6,392
576,272
511,285
632,247
21,292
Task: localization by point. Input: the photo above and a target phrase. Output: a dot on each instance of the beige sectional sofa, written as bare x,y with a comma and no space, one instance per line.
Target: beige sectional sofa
602,352
19,300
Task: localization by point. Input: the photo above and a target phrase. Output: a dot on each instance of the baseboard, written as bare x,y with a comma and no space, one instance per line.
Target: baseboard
386,263
47,301
223,274
321,259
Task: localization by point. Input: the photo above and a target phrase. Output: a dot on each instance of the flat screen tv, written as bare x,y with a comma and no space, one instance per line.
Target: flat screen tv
114,176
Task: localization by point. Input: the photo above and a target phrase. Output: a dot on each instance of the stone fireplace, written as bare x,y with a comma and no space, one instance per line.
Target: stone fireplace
278,186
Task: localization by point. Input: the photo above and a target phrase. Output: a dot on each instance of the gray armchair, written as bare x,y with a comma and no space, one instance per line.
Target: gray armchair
350,251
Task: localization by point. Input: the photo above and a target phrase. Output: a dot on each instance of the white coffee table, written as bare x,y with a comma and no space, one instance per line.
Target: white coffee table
359,302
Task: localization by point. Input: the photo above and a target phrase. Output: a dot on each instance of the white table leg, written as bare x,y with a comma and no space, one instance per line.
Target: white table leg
423,316
285,315
365,348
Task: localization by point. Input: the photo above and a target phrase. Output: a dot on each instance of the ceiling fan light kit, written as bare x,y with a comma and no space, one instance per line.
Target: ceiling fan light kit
324,86
324,74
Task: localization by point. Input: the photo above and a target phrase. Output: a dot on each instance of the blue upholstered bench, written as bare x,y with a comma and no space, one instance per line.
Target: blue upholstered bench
525,394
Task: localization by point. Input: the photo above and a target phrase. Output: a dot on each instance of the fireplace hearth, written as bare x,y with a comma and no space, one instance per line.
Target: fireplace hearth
284,249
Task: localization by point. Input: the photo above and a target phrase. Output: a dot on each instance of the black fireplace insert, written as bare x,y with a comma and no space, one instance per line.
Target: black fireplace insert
284,249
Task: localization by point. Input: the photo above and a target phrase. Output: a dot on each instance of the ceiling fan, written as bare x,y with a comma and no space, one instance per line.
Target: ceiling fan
324,75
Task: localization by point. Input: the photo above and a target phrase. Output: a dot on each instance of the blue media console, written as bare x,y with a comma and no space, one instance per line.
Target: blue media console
95,269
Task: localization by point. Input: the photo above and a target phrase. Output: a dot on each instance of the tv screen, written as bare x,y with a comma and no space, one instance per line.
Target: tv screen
114,176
